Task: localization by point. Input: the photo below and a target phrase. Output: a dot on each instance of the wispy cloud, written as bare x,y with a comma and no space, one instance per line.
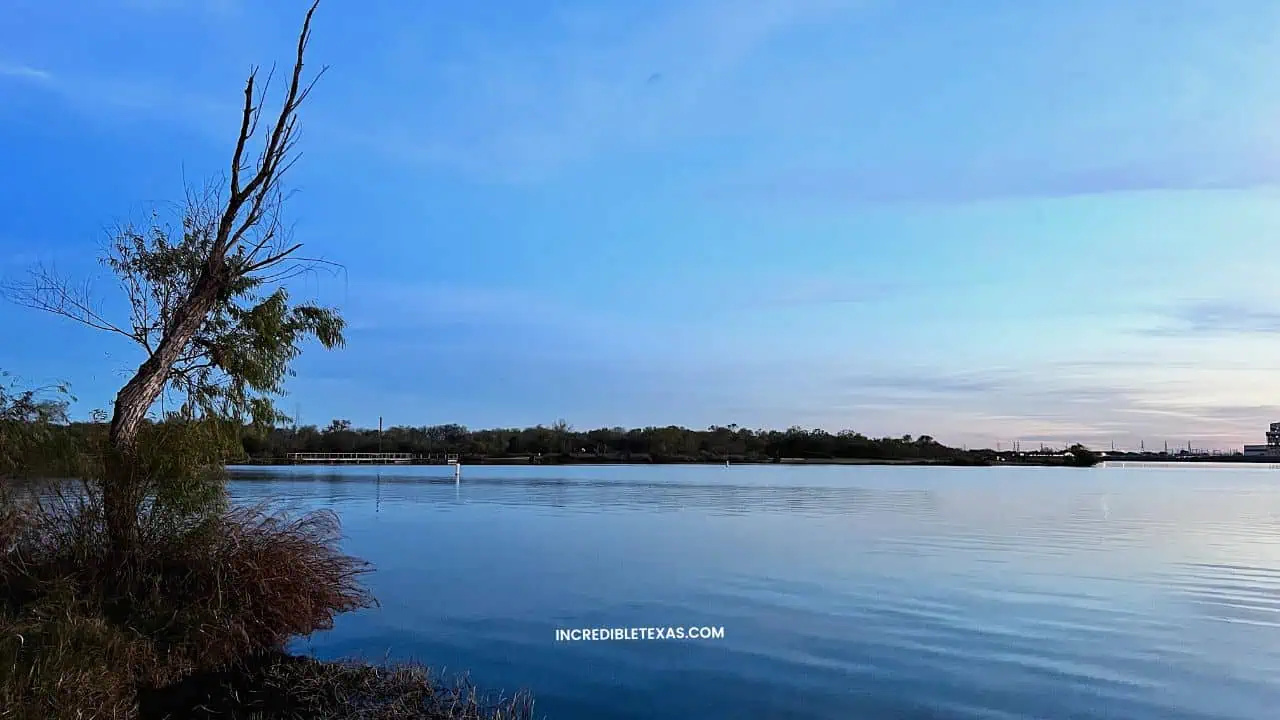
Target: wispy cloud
183,68
441,305
131,97
472,320
1215,317
1228,169
1054,403
24,73
601,82
780,290
931,384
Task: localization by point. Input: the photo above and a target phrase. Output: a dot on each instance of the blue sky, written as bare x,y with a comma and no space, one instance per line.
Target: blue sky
983,221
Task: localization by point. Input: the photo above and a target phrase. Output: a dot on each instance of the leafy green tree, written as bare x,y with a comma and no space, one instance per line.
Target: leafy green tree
208,301
26,419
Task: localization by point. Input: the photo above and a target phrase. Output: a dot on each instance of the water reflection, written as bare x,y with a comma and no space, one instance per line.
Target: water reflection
599,495
845,592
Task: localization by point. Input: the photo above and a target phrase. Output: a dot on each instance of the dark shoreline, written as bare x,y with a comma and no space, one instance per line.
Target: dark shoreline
1040,461
1001,460
598,461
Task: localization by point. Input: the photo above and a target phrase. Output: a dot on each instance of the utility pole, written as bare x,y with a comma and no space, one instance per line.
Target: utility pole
379,433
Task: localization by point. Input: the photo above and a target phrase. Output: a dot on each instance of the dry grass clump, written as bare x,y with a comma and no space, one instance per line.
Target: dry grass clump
282,686
219,586
199,615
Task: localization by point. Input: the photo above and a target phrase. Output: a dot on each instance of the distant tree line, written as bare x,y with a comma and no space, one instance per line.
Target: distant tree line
561,443
657,444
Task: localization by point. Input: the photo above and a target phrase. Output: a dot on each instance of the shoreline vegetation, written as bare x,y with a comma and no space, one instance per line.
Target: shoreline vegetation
560,444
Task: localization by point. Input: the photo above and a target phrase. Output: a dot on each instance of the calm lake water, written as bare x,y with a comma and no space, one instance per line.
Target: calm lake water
844,592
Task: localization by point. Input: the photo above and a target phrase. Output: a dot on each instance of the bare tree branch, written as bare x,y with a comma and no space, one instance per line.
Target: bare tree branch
246,119
274,153
274,258
47,292
300,266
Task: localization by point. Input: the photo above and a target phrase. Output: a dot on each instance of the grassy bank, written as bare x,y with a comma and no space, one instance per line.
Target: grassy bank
194,624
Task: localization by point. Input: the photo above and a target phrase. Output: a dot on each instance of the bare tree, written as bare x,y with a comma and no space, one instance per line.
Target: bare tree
208,303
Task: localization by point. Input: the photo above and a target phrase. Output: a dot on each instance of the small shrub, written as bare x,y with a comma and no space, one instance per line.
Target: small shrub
81,633
194,622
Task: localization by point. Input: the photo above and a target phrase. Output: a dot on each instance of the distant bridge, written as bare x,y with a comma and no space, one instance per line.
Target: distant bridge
361,458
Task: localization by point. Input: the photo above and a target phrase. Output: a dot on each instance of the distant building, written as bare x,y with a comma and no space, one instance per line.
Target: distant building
1272,448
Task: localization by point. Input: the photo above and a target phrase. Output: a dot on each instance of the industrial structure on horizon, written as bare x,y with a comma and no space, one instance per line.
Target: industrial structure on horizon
1271,449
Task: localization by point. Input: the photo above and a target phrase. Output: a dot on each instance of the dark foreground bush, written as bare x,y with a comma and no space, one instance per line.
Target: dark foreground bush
200,614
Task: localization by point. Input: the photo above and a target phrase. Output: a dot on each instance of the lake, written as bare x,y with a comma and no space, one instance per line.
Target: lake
844,592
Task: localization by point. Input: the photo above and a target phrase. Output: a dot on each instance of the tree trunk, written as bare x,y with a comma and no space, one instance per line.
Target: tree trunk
123,488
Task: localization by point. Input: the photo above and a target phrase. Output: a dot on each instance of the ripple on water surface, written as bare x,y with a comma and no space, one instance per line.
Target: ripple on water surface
845,592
